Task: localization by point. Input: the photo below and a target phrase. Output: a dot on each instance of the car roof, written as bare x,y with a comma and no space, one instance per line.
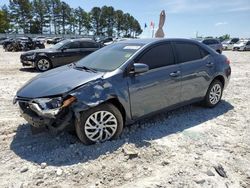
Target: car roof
81,39
156,40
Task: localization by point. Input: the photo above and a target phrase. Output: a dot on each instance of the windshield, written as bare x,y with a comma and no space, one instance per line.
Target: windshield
59,44
110,57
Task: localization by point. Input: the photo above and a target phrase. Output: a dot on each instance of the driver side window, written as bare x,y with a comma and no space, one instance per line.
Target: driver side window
158,56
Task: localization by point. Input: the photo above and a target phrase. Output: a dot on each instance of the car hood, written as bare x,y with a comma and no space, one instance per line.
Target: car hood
57,82
47,50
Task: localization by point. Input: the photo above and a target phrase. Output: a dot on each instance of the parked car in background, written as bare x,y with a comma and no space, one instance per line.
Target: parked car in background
214,44
54,40
106,41
242,45
41,39
62,53
121,83
6,42
2,39
22,44
228,44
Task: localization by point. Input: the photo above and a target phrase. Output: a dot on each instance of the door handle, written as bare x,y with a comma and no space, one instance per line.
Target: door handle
175,74
210,64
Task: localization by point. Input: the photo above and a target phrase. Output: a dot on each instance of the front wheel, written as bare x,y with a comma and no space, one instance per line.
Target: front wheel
99,124
214,94
43,64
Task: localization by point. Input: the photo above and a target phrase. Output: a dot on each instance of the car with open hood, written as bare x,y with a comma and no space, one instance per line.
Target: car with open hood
121,83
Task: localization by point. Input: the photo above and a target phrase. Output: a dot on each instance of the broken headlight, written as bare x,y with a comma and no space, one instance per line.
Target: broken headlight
50,107
47,103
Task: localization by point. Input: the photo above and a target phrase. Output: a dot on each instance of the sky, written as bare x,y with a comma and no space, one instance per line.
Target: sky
184,18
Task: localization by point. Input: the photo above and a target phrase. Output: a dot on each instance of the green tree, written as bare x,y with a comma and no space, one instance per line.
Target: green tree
95,16
4,20
107,20
118,22
82,21
224,37
21,14
40,14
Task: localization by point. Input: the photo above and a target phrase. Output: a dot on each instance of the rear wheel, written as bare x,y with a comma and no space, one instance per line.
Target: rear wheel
214,94
99,124
43,64
219,51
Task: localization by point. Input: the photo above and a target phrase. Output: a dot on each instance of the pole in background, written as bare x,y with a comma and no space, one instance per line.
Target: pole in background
152,25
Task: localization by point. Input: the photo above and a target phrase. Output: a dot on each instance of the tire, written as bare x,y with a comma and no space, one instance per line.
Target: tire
43,64
90,132
219,51
214,94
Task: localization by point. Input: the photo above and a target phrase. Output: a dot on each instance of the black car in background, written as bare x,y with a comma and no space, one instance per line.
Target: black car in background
22,44
64,52
2,39
55,40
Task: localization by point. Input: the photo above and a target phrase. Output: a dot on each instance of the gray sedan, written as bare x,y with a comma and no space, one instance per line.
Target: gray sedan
124,82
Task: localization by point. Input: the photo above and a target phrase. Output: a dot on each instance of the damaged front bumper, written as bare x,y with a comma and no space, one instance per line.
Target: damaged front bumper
38,116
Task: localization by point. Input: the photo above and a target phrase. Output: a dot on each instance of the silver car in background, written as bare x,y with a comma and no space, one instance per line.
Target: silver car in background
212,43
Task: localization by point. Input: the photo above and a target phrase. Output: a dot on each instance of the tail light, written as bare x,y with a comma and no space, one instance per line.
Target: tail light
228,61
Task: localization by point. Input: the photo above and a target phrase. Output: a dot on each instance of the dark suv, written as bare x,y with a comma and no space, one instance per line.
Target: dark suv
62,53
124,82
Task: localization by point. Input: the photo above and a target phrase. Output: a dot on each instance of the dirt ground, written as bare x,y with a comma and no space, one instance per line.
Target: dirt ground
181,148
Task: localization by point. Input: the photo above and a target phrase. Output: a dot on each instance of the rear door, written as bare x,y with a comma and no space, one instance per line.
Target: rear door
159,87
69,54
197,68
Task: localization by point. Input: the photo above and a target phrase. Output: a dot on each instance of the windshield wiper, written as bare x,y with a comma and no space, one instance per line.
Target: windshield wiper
85,68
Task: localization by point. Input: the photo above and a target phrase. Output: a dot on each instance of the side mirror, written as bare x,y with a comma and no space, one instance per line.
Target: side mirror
139,68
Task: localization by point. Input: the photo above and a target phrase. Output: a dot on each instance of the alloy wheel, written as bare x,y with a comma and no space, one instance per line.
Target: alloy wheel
215,94
100,126
43,64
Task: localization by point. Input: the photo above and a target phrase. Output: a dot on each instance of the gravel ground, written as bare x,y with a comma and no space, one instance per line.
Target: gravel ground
182,148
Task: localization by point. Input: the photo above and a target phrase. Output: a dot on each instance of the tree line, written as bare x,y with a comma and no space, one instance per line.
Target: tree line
57,17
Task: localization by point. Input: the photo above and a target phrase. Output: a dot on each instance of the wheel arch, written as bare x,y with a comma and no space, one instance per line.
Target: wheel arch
220,78
40,56
118,104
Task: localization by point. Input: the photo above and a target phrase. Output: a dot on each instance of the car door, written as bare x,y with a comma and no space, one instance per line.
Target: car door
68,54
87,47
157,88
248,45
197,69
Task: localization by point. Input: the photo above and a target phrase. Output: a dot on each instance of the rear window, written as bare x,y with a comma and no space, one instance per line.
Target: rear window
188,52
87,44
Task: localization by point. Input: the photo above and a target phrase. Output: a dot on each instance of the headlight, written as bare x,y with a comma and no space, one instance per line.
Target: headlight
50,107
47,103
31,56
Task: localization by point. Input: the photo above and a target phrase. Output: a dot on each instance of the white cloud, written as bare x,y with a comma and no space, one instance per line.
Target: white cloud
220,23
